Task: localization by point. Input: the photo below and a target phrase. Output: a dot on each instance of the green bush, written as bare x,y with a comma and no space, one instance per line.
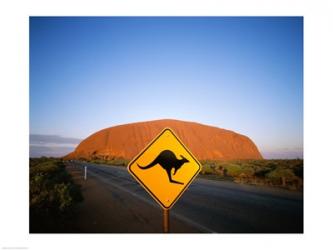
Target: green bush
119,162
261,172
280,176
298,169
279,173
207,169
233,170
53,194
285,173
115,161
237,170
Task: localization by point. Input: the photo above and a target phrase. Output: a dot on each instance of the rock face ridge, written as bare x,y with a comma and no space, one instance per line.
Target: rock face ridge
205,142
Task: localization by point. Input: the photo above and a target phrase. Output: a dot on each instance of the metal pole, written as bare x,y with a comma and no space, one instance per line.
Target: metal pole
166,220
85,172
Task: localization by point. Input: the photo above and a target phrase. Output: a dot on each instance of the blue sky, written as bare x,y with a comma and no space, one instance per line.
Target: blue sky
240,73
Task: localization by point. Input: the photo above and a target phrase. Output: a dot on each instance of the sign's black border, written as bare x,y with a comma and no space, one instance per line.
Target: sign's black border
145,187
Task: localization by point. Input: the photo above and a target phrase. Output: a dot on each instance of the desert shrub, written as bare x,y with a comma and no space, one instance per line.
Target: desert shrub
98,161
237,170
261,172
119,162
53,194
298,169
113,161
280,175
286,173
207,169
233,169
280,172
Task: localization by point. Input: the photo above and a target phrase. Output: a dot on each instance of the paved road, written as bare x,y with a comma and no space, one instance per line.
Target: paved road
207,205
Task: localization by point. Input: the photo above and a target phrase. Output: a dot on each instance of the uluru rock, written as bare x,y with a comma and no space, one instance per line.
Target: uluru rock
205,142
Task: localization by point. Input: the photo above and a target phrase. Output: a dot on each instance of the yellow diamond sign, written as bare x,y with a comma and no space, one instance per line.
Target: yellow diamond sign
165,168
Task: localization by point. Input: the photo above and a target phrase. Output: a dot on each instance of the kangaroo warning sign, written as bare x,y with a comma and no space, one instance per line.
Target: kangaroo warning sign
165,168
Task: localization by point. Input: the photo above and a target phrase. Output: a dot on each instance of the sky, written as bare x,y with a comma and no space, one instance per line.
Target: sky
239,73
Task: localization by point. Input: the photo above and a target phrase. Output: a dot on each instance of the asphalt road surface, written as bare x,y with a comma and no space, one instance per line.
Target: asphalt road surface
115,202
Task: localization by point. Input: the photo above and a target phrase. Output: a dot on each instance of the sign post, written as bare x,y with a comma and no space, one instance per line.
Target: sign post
166,220
85,172
165,169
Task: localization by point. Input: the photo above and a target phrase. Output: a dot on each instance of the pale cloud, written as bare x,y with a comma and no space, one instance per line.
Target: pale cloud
51,145
283,153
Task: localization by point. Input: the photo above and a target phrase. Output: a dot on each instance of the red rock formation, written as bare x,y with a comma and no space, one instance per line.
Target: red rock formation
205,142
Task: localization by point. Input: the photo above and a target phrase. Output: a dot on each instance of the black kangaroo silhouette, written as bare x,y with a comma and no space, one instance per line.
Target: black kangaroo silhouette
167,160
